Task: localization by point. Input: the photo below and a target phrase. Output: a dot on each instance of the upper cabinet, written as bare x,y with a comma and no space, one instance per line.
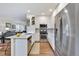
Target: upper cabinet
33,20
30,22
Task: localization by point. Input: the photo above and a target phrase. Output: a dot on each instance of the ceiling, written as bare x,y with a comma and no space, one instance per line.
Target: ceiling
19,10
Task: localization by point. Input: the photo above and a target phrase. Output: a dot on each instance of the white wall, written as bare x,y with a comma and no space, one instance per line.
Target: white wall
40,20
51,33
43,20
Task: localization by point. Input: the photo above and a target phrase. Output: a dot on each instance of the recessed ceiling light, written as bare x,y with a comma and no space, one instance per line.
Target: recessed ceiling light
50,10
65,11
28,11
42,13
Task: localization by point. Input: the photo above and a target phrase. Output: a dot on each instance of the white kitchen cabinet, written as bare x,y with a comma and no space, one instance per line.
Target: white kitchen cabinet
20,47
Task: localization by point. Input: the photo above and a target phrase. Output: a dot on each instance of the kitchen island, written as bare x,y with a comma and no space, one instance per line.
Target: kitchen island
19,45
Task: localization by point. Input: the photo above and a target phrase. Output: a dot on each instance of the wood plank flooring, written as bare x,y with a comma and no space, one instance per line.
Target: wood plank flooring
5,48
40,48
43,49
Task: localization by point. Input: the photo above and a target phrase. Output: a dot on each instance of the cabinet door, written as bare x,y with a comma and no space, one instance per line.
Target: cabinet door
20,47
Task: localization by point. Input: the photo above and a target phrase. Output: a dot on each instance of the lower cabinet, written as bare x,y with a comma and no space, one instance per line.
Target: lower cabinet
20,47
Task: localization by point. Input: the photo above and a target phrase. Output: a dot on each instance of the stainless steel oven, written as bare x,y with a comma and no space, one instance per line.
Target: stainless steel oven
43,31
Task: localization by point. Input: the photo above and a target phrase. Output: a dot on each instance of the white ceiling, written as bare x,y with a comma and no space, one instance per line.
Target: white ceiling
18,10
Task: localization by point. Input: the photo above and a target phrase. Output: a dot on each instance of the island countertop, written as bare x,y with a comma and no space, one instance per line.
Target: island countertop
19,44
23,35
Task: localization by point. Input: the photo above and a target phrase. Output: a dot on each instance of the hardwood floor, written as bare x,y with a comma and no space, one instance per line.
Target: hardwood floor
35,49
45,49
42,49
5,48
